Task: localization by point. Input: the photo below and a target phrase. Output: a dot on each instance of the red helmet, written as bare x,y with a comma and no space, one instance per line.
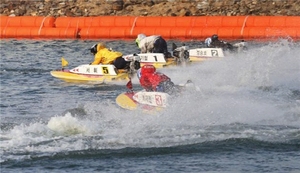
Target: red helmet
148,69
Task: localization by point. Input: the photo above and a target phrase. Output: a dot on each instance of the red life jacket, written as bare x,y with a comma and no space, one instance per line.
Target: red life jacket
150,79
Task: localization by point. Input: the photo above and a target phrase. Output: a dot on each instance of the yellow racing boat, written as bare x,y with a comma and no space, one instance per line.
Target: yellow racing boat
90,73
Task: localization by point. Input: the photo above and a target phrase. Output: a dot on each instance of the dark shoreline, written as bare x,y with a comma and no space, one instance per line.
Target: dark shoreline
85,8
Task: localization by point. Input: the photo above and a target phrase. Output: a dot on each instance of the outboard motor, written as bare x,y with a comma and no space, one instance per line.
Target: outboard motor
181,54
134,64
241,46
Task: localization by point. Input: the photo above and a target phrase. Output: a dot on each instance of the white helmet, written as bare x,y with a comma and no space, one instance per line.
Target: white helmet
139,38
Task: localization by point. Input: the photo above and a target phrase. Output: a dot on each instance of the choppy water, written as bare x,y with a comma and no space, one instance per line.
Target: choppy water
244,118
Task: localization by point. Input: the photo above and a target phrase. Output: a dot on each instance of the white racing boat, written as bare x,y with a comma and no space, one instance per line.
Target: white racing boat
205,53
158,60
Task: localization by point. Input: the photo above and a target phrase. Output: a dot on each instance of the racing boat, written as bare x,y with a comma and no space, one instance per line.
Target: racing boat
90,73
158,60
149,102
202,54
146,101
109,73
184,54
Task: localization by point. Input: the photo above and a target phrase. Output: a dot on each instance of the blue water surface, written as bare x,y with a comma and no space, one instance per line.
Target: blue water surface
244,116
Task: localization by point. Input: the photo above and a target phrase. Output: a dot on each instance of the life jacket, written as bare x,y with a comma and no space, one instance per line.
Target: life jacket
105,56
147,44
144,76
158,78
150,79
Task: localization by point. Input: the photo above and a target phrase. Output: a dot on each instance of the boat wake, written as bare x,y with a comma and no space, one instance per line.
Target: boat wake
248,99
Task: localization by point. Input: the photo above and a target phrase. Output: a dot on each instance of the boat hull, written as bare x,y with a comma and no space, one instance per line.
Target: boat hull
203,54
149,102
169,62
85,78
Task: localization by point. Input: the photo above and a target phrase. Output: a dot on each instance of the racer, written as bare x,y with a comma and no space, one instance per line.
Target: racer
151,80
214,42
152,44
104,55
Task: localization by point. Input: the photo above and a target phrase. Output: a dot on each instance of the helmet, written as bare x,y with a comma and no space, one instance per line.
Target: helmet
214,37
148,69
96,47
139,38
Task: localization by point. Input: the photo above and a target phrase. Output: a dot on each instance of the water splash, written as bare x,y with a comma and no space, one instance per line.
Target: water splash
251,95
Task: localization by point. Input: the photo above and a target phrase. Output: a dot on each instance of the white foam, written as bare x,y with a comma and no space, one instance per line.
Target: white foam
237,97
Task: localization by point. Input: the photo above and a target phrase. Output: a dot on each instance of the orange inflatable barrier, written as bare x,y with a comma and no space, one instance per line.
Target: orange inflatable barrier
293,32
105,32
74,22
1,32
148,21
292,21
223,21
271,32
282,32
27,21
169,27
166,32
233,21
273,21
3,21
229,32
208,31
180,32
59,33
35,32
257,21
200,21
83,22
204,32
254,32
105,21
116,21
183,21
19,32
281,21
163,31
